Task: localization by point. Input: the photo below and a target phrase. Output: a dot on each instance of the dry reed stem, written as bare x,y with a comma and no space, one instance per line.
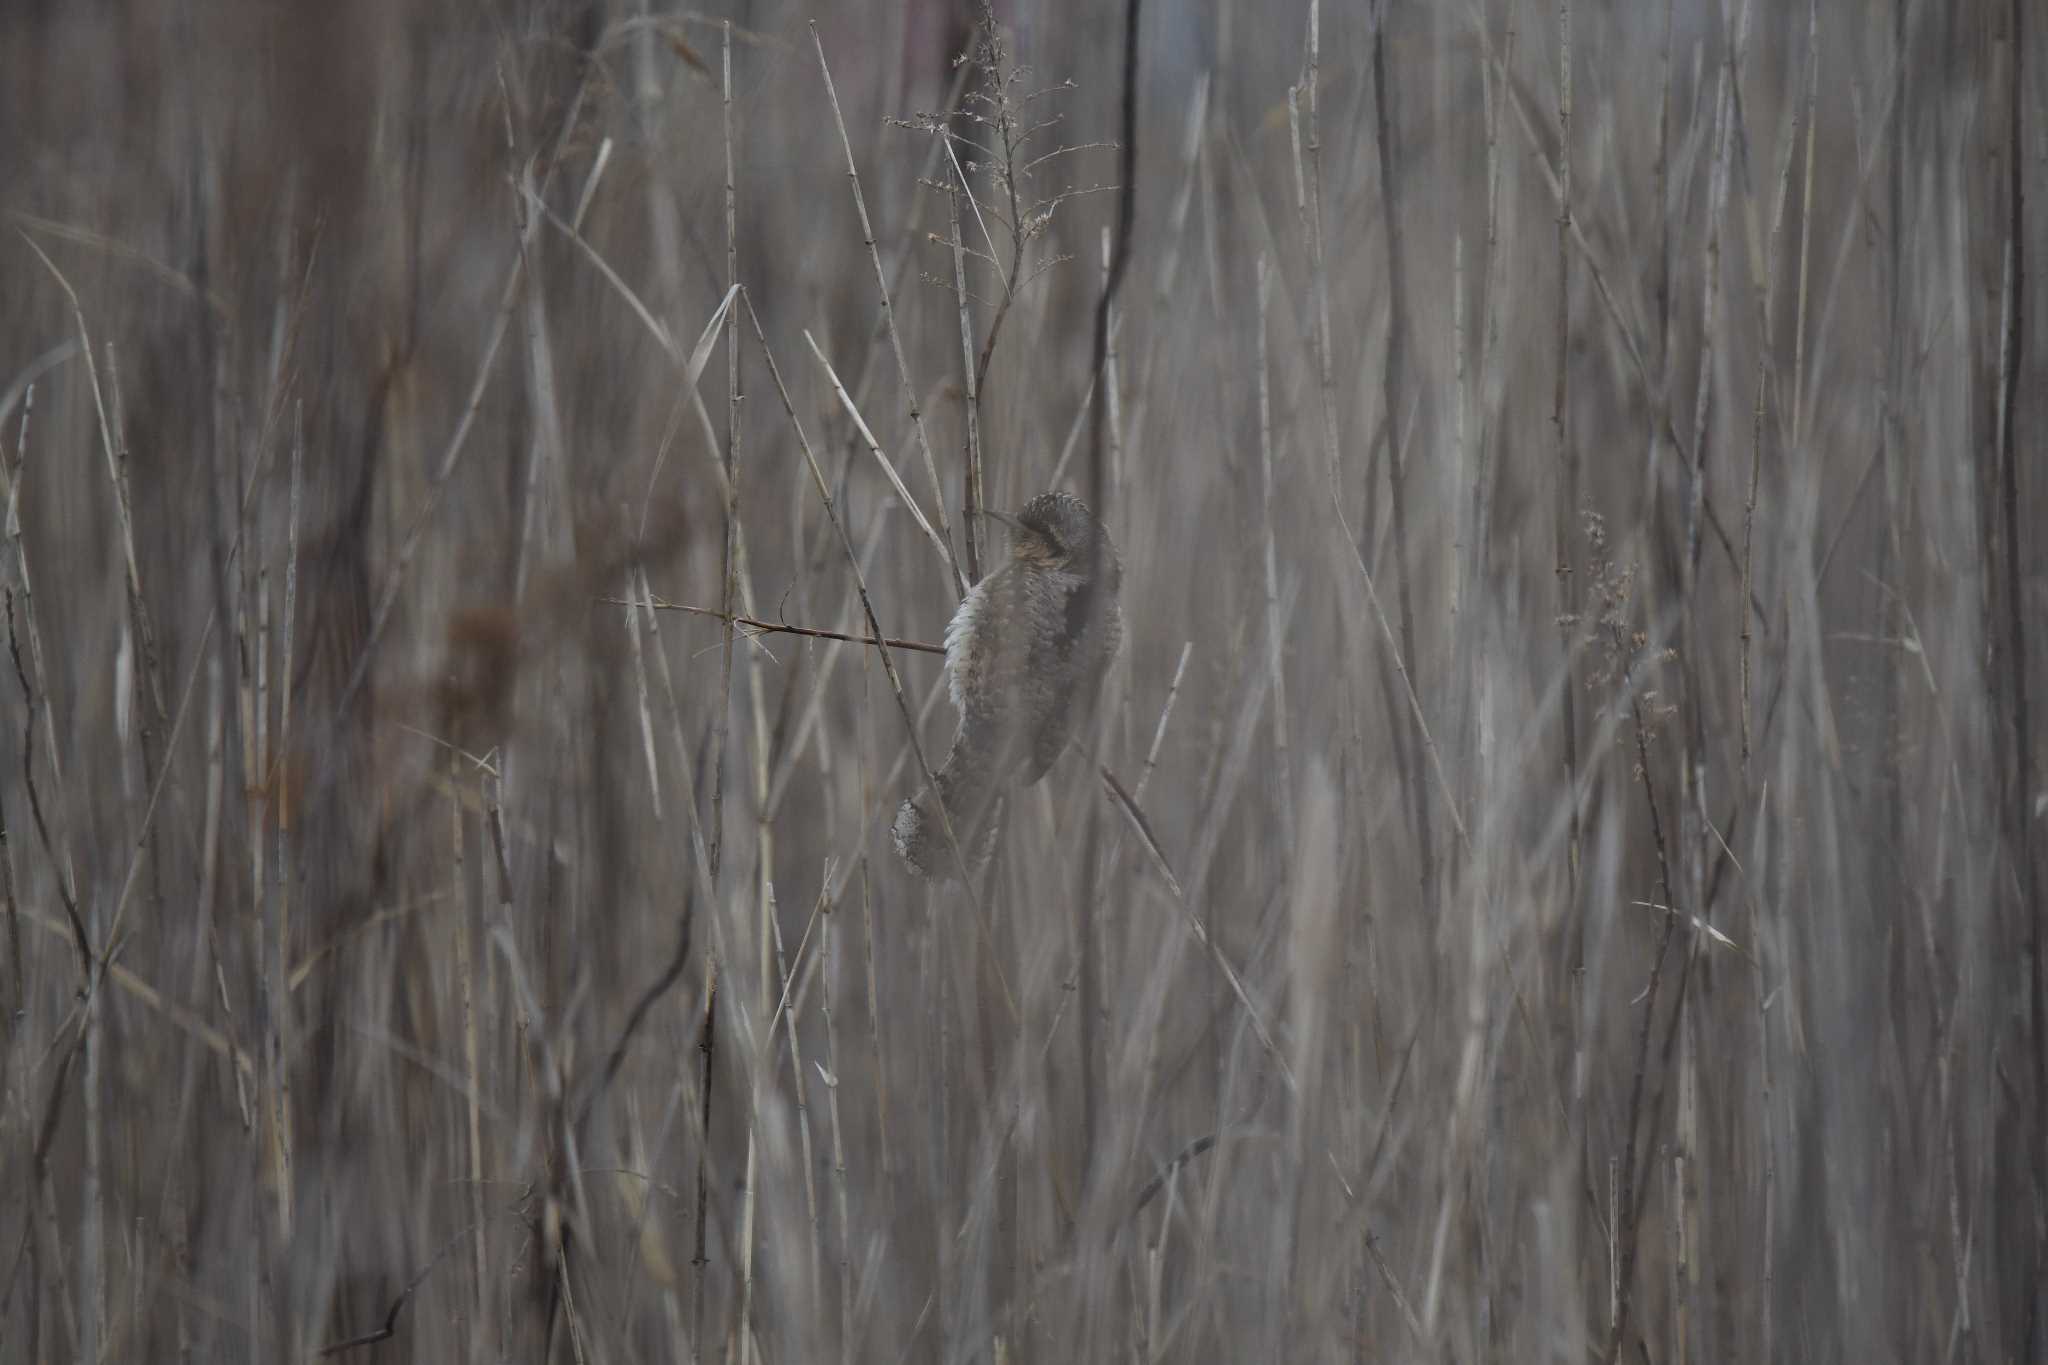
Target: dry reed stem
938,540
867,233
734,398
1395,397
970,401
1275,640
1247,1247
1565,508
828,1072
279,899
1767,290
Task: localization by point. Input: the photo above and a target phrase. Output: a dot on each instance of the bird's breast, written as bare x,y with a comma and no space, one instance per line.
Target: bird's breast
965,640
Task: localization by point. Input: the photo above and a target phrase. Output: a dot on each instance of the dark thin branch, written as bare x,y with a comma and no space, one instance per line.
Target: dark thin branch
1098,498
389,1328
648,999
735,402
1394,395
2009,493
35,800
707,1049
1165,1173
1119,257
774,628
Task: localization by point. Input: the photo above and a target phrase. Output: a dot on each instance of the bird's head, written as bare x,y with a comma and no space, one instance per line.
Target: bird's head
1054,530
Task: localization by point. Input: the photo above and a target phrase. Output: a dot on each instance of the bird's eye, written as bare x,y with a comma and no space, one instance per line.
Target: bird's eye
1044,536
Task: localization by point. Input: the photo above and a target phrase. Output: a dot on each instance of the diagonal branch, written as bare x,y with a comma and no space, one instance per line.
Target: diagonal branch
782,628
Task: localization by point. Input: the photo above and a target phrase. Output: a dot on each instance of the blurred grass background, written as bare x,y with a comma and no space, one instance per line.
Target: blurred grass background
1575,467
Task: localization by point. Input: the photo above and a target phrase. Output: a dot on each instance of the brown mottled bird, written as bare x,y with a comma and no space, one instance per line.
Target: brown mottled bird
1024,655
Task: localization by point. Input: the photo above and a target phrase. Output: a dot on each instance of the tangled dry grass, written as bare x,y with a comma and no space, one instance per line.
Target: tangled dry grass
1558,877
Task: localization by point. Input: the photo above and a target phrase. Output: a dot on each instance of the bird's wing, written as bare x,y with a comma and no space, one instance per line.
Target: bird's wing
1080,643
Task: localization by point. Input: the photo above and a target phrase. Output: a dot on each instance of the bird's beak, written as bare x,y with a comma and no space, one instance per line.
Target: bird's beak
1005,518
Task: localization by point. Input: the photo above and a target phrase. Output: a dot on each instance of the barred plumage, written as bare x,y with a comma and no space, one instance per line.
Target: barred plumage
1025,652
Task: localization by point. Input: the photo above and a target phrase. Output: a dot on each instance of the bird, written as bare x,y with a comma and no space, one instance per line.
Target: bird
1025,654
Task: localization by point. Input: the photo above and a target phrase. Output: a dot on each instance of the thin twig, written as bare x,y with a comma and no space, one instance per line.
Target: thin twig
729,577
663,982
2022,792
938,538
389,1328
1394,392
970,402
1123,802
1565,512
783,628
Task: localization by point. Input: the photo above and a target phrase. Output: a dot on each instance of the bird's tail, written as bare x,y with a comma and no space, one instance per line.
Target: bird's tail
974,805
